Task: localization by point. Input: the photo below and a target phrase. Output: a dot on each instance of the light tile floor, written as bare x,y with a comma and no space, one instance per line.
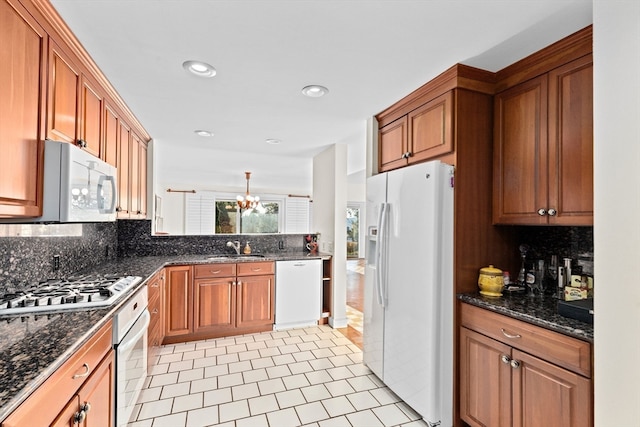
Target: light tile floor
354,318
298,377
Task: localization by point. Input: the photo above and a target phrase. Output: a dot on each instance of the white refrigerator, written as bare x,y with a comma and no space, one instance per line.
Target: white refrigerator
408,299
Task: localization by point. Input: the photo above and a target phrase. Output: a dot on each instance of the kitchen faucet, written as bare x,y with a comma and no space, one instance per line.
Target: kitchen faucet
235,245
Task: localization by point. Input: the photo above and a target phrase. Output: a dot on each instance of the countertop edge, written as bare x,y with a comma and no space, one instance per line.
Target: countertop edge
565,326
159,262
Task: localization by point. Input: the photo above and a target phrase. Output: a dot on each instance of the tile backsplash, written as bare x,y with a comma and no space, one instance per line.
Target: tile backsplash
29,258
565,242
135,239
26,253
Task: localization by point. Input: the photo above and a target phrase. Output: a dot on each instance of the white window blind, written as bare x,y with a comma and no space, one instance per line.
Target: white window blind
199,213
297,215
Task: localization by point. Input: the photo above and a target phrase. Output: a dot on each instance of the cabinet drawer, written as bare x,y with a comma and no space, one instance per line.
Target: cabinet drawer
214,270
154,338
562,350
60,387
154,310
153,288
255,268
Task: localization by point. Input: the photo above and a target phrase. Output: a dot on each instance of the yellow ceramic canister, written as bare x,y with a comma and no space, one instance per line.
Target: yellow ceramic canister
490,281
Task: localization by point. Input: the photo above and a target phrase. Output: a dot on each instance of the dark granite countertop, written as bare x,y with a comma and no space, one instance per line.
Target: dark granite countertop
33,346
540,311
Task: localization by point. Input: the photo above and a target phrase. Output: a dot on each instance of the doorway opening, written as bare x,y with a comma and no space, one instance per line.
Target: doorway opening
353,230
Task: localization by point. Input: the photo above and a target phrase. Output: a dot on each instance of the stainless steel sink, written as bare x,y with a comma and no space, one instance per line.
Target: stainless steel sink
232,257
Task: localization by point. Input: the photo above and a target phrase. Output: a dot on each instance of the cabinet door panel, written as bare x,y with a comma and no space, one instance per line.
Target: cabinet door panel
124,154
485,381
64,84
392,145
111,135
178,301
142,184
66,418
99,392
255,301
520,153
571,142
430,129
546,395
91,117
22,83
214,304
134,175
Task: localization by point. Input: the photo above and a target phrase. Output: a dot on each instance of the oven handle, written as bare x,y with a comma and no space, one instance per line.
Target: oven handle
145,317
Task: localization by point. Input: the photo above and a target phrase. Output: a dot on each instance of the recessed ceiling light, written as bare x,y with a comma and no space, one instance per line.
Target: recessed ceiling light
203,132
315,91
273,141
200,69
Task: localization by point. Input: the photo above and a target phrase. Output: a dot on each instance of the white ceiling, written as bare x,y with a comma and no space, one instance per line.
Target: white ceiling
368,53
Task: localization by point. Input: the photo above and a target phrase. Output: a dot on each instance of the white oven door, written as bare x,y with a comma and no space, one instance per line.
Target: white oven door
131,368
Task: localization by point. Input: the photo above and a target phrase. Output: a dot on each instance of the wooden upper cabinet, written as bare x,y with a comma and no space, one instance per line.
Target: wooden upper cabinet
22,83
138,177
142,196
571,142
124,158
111,135
64,87
424,133
520,148
392,143
431,129
543,149
91,117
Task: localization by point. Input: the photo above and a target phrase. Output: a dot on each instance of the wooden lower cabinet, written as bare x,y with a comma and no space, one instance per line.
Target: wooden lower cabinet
155,291
178,301
93,404
222,299
79,393
501,385
214,305
255,295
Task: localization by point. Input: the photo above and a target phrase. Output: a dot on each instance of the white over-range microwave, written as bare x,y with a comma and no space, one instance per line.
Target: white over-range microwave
78,187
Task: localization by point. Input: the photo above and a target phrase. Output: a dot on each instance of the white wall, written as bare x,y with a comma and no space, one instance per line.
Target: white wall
329,218
617,211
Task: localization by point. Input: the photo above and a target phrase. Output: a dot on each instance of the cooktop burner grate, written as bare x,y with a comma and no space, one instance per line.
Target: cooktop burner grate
87,291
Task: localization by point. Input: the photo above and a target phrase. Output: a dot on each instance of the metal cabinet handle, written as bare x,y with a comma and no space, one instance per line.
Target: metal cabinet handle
214,271
552,212
155,311
515,364
84,374
508,335
505,359
256,268
542,211
78,417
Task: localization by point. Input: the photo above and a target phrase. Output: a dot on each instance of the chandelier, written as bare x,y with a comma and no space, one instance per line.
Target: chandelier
248,201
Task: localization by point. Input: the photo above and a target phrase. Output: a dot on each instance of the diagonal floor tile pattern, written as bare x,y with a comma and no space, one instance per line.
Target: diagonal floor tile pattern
298,377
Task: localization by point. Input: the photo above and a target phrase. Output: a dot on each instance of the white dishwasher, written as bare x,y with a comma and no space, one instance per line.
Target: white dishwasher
298,293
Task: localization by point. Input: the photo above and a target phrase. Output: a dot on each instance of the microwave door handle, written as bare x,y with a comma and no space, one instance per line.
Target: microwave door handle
101,181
